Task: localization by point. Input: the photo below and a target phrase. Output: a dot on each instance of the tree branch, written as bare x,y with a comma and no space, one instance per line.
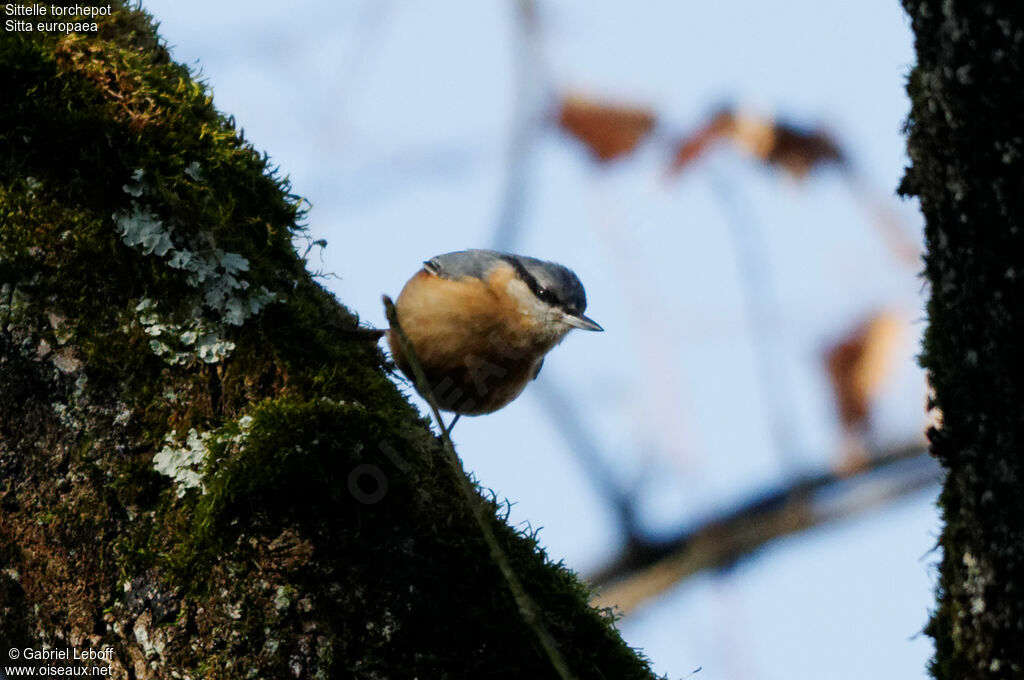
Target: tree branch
648,568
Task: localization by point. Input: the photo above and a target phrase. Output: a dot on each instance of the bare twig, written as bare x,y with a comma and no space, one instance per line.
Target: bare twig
647,570
526,121
580,440
528,609
762,312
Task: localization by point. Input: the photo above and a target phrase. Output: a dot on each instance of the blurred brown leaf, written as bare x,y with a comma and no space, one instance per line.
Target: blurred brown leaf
608,130
795,150
799,151
694,146
858,365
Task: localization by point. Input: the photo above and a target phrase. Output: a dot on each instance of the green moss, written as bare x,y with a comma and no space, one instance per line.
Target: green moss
287,463
133,211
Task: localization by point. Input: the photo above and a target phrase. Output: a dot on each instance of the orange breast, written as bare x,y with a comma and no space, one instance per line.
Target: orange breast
475,345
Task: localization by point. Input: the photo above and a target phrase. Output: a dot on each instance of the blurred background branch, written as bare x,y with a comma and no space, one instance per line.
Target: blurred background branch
649,567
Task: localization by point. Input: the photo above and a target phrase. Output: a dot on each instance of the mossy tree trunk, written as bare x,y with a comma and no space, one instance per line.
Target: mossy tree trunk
966,145
203,463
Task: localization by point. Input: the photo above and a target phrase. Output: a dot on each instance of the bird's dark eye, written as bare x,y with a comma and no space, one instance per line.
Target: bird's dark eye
545,295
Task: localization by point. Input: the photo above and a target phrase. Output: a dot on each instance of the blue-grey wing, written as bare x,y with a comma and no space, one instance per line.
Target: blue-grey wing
472,263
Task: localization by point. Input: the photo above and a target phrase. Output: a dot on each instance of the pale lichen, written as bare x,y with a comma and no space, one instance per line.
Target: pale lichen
181,343
186,463
183,464
214,271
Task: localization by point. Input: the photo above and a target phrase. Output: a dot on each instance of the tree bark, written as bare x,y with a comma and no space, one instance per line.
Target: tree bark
204,467
966,146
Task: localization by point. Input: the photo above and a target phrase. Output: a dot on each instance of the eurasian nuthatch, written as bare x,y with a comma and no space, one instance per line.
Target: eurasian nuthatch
481,322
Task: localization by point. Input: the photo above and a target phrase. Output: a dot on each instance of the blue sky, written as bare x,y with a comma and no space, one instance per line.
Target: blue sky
394,118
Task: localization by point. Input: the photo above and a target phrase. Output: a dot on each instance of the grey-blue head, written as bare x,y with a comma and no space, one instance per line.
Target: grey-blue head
552,284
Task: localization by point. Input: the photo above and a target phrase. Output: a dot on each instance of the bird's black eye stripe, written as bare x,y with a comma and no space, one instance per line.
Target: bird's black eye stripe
540,291
545,295
521,270
524,274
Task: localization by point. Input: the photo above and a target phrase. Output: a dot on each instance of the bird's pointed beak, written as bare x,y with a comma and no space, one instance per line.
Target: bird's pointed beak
582,322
